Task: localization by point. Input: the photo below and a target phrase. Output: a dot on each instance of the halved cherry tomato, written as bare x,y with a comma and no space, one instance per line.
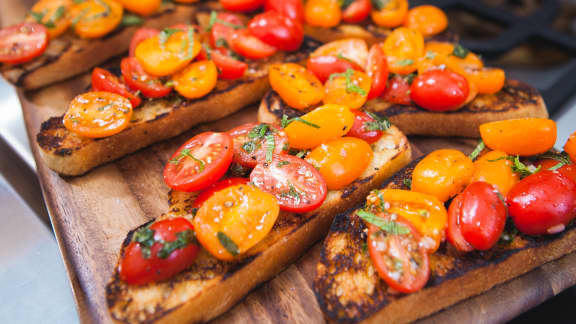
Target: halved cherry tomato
525,137
103,80
341,161
543,203
294,9
570,147
569,170
296,184
325,123
324,66
220,185
196,80
223,29
235,219
199,162
377,69
142,7
322,13
249,46
253,143
403,47
23,42
397,91
150,258
96,18
427,19
350,88
357,11
98,114
242,5
443,173
487,80
277,30
365,127
440,90
298,87
140,35
399,258
353,49
494,169
453,232
228,68
390,13
53,14
136,78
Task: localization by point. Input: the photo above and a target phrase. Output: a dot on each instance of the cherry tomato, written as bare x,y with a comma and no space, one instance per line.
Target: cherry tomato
23,42
136,78
295,183
377,70
569,170
298,87
397,91
427,19
403,47
53,14
390,13
228,68
242,5
223,28
277,30
350,88
252,143
324,66
294,9
353,49
365,127
235,219
250,46
102,80
149,257
325,123
487,80
96,18
542,203
196,80
439,90
494,169
140,35
525,137
98,114
453,232
322,13
200,162
440,55
570,147
443,173
220,185
357,11
399,258
142,7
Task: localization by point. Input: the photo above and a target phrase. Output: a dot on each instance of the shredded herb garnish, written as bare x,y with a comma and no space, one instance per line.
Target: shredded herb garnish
270,146
388,226
131,20
460,51
408,183
350,86
380,4
165,34
430,55
379,123
144,236
562,158
259,131
522,169
479,148
250,147
302,153
404,62
292,192
282,163
182,240
287,121
228,244
214,19
186,153
345,3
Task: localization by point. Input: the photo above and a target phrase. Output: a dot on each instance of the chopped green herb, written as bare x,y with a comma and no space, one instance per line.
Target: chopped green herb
221,42
105,107
183,239
208,51
380,4
410,77
165,34
169,83
460,51
228,244
270,146
302,153
145,237
405,62
186,153
282,163
80,16
78,1
407,182
342,57
38,16
131,20
59,13
249,147
379,123
430,55
287,121
562,158
350,86
259,131
518,167
388,226
190,53
345,3
479,148
291,193
214,19
424,213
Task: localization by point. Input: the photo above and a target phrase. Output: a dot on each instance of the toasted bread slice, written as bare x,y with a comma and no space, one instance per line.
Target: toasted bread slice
211,286
515,100
349,289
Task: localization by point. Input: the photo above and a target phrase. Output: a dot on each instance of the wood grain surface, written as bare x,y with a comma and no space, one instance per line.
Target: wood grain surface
92,214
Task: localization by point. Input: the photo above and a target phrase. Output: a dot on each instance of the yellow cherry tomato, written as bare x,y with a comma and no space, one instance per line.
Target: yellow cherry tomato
350,89
98,114
438,54
297,86
323,124
96,18
53,14
142,7
235,219
196,80
322,13
525,136
341,161
169,52
443,174
570,147
392,14
427,19
487,80
403,48
493,168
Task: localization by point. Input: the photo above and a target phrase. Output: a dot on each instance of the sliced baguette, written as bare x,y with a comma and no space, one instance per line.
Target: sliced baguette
349,289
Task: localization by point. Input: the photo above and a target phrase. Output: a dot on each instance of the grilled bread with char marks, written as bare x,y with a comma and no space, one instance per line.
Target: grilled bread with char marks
349,289
211,286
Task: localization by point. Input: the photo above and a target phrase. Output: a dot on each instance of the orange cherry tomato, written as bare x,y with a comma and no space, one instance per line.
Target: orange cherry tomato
403,47
186,1
323,124
142,7
322,13
425,212
298,87
350,89
570,147
390,13
443,174
98,114
527,136
487,80
341,161
497,171
169,52
96,18
427,19
354,49
196,80
444,54
235,219
53,14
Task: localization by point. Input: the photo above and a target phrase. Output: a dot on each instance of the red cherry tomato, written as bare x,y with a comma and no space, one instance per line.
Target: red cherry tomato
568,170
241,5
140,35
296,184
294,9
278,30
365,127
542,203
439,90
377,69
228,67
357,11
148,258
103,80
23,42
397,91
453,232
250,143
223,29
249,46
324,66
222,184
136,78
200,162
400,259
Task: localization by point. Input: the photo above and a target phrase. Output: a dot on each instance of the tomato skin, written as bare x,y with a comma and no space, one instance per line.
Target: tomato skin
357,12
403,48
220,185
140,35
14,42
103,80
337,89
142,7
249,46
50,16
322,13
569,170
353,49
196,80
294,9
298,87
241,135
524,137
88,21
359,130
429,20
392,15
542,203
570,147
377,69
439,90
277,30
242,5
135,269
453,232
497,171
228,67
222,31
324,66
136,78
397,91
